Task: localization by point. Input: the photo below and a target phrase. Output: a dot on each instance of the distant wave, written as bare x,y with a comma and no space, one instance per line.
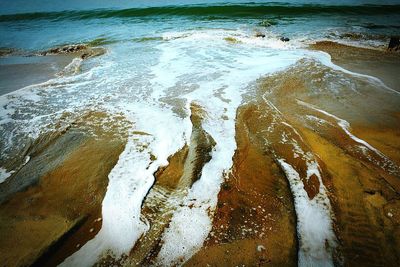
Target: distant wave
217,11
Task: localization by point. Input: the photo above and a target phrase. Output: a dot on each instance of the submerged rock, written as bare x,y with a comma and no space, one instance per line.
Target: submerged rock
83,50
65,50
5,51
394,44
260,35
284,39
93,52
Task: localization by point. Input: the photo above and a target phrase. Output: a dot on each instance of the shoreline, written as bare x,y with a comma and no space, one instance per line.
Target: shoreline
303,133
22,70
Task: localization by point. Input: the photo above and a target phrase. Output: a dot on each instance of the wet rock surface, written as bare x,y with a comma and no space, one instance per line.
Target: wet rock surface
254,223
171,185
360,178
52,217
82,50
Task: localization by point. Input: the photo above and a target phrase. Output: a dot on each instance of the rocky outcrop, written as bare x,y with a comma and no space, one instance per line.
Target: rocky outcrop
65,50
4,51
394,44
84,51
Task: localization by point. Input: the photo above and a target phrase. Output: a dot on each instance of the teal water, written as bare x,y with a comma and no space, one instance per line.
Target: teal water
34,25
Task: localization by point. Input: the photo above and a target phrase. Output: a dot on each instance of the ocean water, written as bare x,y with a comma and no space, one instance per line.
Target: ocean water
36,25
161,57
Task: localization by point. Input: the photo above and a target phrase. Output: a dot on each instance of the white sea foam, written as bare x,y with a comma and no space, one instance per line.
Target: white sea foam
130,181
317,240
226,70
345,125
365,147
190,225
72,68
4,174
325,59
318,120
239,36
314,223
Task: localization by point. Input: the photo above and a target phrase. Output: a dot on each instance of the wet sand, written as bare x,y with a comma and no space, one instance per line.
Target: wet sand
17,72
384,65
19,69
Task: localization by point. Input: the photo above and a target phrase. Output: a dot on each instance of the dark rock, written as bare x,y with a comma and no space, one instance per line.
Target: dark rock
285,39
93,52
4,51
65,50
394,44
83,51
85,55
352,36
260,35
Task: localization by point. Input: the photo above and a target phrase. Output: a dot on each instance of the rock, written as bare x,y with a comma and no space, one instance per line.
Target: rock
65,49
93,52
394,44
4,51
352,36
260,35
82,50
285,39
